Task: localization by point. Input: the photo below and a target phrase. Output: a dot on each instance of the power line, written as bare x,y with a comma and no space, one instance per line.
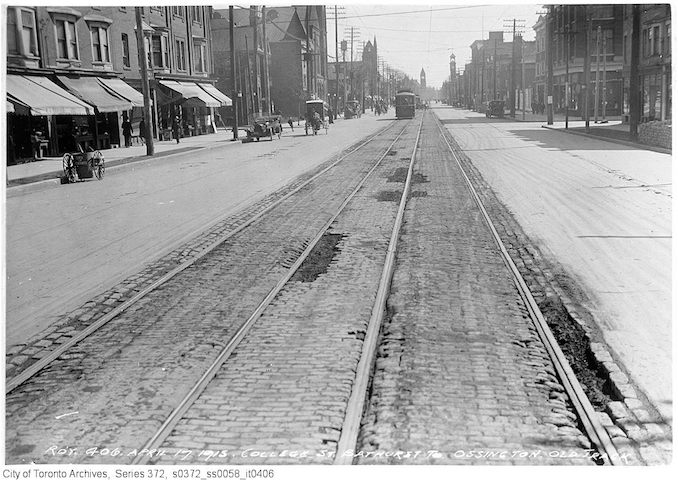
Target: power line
417,11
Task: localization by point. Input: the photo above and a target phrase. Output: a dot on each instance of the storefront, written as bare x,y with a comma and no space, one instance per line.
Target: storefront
103,130
39,107
192,103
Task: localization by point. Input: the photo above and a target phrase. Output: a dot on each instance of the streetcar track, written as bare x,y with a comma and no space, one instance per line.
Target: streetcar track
187,401
586,414
43,362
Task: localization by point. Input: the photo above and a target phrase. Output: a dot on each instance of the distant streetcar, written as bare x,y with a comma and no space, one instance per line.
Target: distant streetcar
405,104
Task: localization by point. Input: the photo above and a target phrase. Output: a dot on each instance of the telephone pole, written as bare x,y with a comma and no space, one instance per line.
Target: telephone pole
234,90
634,83
549,66
512,83
143,65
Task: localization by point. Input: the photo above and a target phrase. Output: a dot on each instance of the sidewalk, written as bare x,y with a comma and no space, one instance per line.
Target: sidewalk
613,130
51,168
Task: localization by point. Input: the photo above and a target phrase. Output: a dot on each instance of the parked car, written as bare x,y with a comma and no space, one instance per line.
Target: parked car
495,108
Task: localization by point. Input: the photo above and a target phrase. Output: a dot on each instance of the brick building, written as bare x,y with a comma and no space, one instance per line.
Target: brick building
654,62
73,75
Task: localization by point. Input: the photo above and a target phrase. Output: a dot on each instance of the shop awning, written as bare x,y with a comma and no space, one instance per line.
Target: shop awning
92,92
122,89
212,90
192,93
44,97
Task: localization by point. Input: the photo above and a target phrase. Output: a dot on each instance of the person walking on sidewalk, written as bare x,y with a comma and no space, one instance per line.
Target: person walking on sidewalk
175,128
126,130
290,123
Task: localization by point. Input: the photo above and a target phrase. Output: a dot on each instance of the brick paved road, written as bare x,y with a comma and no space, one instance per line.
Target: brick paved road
461,369
286,386
115,387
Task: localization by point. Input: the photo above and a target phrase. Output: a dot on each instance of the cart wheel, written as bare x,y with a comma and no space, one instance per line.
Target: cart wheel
98,164
69,168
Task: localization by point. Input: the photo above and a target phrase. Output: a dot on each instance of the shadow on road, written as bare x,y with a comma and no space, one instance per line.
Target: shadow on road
547,138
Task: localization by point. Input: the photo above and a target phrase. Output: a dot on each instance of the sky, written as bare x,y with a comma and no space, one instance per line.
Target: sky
427,35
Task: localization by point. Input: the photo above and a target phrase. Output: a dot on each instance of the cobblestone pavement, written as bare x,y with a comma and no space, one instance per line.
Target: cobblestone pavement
282,395
634,427
461,370
68,325
115,387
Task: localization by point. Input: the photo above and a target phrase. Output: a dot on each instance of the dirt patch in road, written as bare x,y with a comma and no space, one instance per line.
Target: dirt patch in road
400,176
575,345
318,261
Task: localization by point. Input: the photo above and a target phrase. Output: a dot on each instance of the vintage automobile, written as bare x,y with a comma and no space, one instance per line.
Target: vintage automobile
263,127
352,109
495,108
317,115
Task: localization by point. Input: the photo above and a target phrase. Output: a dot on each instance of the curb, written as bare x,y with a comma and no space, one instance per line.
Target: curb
640,146
42,184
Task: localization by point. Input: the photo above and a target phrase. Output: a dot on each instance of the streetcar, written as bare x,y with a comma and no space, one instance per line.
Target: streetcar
404,104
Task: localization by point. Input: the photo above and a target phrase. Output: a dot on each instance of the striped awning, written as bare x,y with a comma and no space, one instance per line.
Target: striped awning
91,91
44,97
191,93
212,90
122,89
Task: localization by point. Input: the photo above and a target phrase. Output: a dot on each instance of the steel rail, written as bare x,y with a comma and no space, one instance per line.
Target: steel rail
356,402
587,415
173,419
36,367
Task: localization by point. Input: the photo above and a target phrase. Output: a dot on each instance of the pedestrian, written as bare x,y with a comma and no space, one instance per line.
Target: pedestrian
175,128
126,130
142,131
290,123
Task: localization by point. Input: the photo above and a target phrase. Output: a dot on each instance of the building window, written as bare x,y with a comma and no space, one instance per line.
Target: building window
199,57
125,50
652,41
67,40
28,32
160,51
12,44
178,11
181,54
100,51
196,13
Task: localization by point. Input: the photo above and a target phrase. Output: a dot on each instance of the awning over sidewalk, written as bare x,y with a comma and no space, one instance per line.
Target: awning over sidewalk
212,90
122,89
92,92
44,97
191,93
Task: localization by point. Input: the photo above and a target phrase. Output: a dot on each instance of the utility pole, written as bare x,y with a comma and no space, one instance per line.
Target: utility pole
587,69
256,94
234,89
267,84
567,67
522,72
343,53
336,64
494,82
512,96
604,120
249,80
634,83
143,64
549,66
597,97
